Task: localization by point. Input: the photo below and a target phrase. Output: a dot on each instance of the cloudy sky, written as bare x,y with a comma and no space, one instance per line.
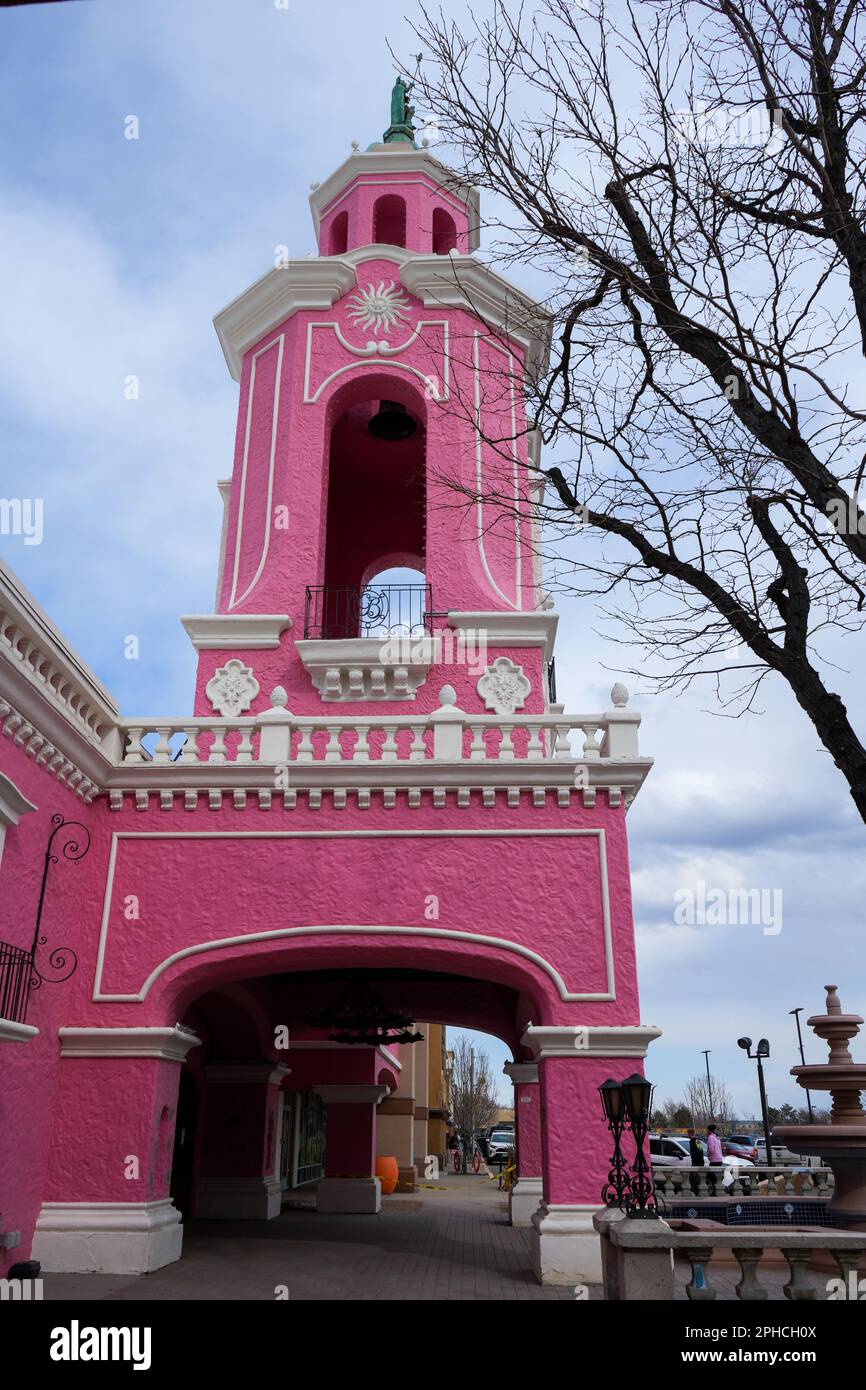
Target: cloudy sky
114,256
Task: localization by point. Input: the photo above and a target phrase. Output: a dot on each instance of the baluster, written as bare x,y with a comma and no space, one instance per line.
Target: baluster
848,1262
478,748
699,1289
333,751
506,746
389,747
703,1183
563,751
162,750
189,751
820,1176
590,747
749,1289
305,747
799,1286
361,751
217,752
534,748
244,750
135,753
418,751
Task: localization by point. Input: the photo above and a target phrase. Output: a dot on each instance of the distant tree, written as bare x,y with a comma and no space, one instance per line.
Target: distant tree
709,1103
474,1098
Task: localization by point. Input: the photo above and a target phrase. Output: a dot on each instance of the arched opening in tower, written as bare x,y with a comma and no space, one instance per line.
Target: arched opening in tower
375,514
444,233
389,220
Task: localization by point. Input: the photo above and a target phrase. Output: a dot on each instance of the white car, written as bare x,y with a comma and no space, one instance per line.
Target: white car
672,1151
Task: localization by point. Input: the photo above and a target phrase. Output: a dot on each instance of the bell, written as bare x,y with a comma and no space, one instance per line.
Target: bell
392,421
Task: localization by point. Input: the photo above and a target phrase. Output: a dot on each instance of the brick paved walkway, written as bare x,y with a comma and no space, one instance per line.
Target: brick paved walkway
452,1242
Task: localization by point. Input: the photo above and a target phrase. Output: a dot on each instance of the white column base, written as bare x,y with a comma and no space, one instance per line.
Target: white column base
107,1237
360,1195
565,1247
238,1199
523,1200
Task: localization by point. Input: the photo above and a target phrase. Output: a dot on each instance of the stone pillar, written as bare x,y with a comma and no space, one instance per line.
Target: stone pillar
239,1180
422,1101
350,1184
525,1194
396,1124
107,1207
575,1142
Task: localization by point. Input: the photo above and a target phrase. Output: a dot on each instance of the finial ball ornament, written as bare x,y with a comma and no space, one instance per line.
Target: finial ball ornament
619,695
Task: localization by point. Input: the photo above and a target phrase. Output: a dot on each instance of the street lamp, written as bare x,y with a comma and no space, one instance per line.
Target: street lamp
613,1103
761,1051
796,1013
707,1051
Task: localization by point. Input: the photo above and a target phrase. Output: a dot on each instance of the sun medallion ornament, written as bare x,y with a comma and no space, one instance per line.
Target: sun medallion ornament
378,306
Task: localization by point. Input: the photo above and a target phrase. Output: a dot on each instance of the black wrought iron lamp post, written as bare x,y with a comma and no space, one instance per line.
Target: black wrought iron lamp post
637,1095
760,1052
613,1193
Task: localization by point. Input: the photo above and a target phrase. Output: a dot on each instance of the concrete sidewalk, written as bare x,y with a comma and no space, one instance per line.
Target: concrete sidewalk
450,1240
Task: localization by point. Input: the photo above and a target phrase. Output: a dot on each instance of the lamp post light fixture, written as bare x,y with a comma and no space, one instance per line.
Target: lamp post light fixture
614,1192
761,1051
796,1013
641,1197
707,1051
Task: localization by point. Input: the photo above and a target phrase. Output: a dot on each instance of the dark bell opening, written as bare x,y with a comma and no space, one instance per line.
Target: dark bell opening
392,421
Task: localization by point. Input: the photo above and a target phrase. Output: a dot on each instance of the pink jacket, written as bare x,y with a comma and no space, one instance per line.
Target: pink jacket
714,1148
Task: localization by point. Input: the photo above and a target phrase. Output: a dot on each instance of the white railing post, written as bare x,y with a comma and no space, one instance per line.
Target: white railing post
447,723
275,724
620,738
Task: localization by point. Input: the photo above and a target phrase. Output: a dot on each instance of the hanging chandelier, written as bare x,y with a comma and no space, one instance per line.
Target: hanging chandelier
362,1019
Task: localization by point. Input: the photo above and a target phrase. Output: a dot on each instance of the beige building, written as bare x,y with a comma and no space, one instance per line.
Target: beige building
410,1123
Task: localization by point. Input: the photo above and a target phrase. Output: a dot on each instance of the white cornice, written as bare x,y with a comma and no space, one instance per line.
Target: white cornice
169,1044
395,159
511,629
572,1040
368,668
466,283
16,1032
13,805
244,631
312,283
522,1073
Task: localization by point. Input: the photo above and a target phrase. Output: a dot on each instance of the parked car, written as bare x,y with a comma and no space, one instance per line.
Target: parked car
500,1141
666,1151
740,1146
780,1153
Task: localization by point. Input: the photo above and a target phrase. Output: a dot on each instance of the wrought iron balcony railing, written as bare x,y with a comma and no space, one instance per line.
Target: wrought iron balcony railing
386,610
16,973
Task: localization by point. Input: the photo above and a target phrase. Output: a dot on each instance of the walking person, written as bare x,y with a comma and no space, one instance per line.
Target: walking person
696,1155
714,1151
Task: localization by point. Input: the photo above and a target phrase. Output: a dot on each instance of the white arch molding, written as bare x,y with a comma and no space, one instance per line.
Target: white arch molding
287,933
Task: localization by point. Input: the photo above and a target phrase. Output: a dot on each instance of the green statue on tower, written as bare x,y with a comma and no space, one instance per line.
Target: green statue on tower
401,127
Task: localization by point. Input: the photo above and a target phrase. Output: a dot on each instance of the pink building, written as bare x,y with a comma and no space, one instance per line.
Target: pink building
376,797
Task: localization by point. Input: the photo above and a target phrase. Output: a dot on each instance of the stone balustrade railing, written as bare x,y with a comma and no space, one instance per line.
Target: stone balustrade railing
683,1181
277,736
637,1259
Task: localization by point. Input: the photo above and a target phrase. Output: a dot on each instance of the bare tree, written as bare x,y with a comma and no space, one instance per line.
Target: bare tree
709,1104
474,1099
687,180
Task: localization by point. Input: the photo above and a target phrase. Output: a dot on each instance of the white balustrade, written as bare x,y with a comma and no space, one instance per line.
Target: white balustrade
446,734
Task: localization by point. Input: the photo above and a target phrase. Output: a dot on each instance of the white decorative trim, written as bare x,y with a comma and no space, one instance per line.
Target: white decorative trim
235,631
495,942
232,689
566,1248
107,1237
477,339
13,805
361,1196
168,1044
504,686
462,282
361,668
16,1032
510,629
522,1073
524,1199
352,1095
48,756
570,1040
372,353
313,283
279,343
